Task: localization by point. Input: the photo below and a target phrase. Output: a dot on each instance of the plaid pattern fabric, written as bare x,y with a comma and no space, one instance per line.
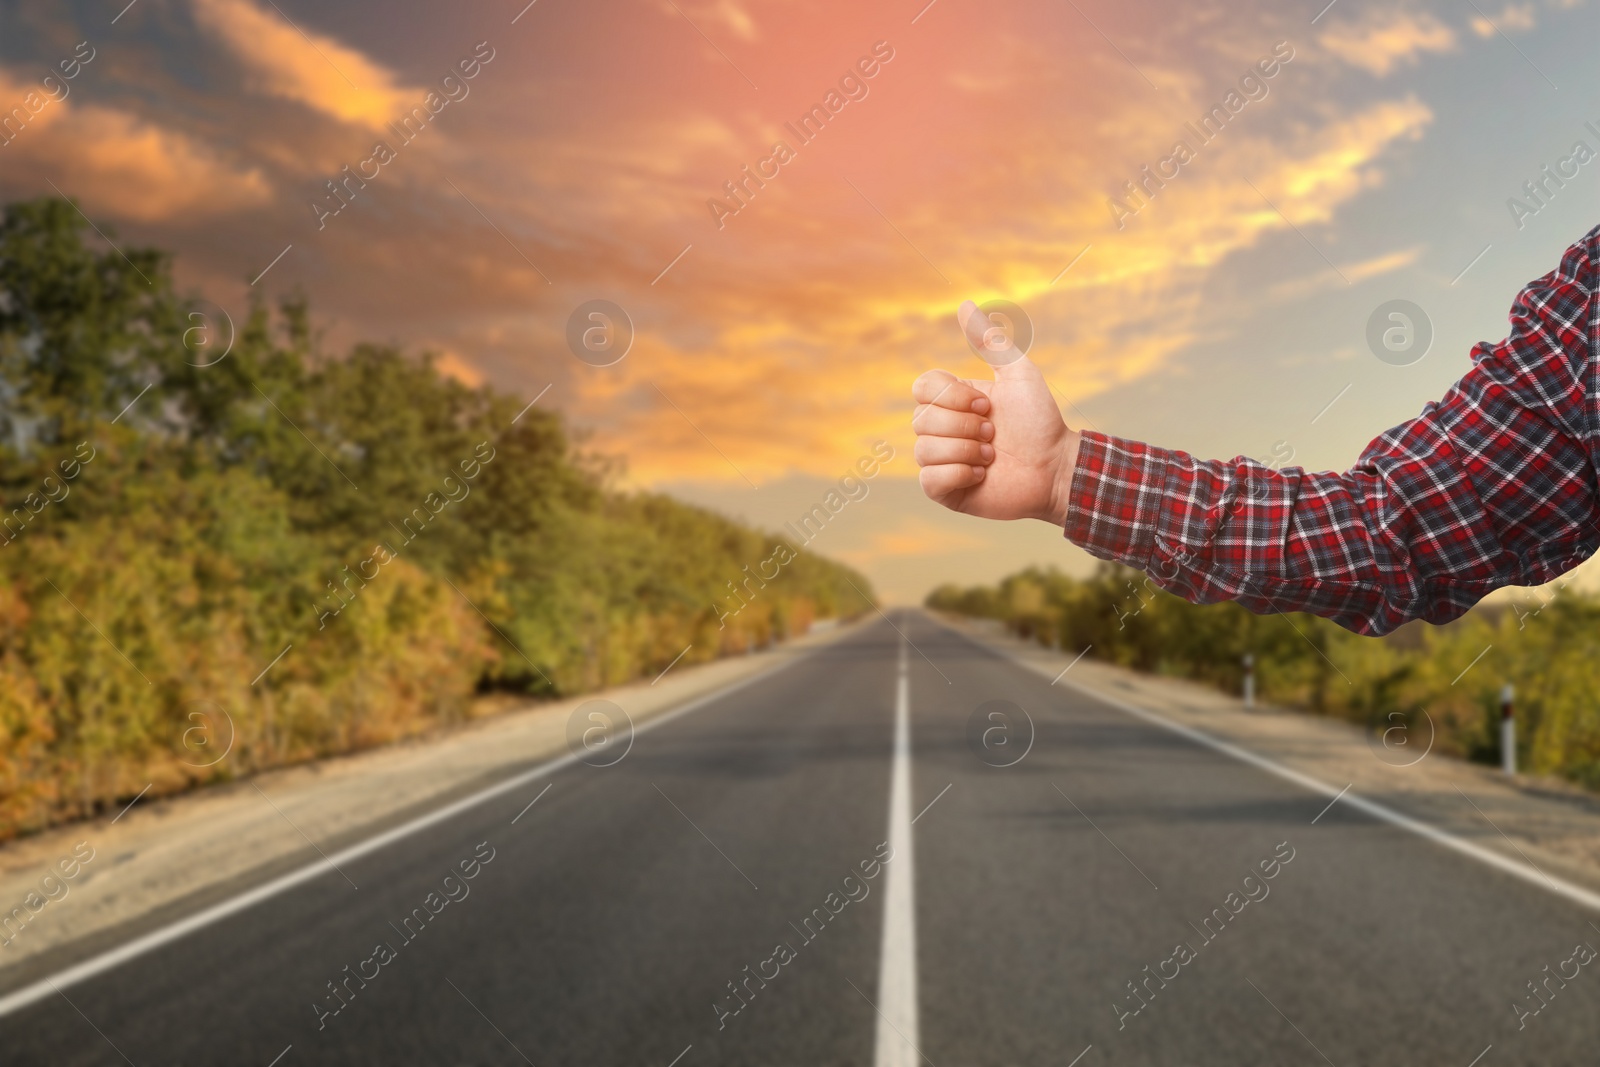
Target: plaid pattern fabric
1496,484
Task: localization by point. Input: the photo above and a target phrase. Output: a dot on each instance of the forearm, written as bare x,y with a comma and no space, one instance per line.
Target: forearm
1343,546
1493,485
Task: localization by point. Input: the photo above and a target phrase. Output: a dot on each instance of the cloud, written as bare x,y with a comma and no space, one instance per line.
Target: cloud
787,341
1310,188
310,69
1383,41
1355,272
1512,17
127,166
810,315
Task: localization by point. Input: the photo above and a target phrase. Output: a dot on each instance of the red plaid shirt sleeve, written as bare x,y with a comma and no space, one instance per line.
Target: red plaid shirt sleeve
1495,484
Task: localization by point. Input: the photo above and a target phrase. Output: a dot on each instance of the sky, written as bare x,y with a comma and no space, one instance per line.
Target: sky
771,338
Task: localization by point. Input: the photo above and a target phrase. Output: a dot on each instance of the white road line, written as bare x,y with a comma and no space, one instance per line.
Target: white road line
897,956
165,935
1575,893
1560,887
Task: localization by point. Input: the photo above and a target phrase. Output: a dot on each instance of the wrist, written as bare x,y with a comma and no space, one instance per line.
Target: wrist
1066,465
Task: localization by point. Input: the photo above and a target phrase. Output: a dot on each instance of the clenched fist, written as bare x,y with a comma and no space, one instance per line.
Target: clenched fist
997,450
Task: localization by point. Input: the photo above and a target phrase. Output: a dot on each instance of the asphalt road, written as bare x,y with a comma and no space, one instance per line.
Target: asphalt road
616,911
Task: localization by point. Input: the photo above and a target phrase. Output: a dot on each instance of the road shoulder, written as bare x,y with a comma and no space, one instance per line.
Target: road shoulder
164,858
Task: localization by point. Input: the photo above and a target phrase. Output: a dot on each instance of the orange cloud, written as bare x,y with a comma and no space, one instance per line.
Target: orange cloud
308,68
127,166
837,353
1382,41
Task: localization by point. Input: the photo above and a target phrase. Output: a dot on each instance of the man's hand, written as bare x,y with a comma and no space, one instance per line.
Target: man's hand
997,450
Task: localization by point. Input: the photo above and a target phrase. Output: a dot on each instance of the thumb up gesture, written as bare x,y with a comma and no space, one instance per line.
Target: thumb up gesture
995,449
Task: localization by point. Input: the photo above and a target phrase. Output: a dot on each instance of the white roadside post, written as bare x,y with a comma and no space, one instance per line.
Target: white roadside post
1508,732
1249,680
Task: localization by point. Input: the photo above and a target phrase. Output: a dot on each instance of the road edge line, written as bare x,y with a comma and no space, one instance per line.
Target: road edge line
110,959
1383,813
